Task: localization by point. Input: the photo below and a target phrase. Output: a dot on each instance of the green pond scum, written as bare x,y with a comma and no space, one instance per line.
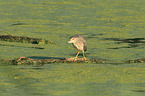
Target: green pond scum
114,31
73,80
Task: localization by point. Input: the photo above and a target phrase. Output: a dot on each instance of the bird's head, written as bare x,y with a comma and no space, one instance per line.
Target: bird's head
72,40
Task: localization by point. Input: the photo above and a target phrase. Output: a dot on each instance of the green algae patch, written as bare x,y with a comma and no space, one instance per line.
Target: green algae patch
30,61
6,62
81,79
24,39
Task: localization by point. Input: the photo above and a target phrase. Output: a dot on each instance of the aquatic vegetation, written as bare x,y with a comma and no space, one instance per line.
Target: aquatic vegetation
117,66
23,39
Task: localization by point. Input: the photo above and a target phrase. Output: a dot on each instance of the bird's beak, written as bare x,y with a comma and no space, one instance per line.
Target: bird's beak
69,41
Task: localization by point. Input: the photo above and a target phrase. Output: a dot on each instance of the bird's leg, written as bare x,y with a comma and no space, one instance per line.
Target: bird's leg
77,54
83,55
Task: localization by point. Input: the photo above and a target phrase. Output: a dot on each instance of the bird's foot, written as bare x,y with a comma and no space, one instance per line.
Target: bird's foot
74,58
84,58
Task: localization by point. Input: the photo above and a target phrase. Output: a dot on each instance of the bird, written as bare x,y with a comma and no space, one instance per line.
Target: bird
79,43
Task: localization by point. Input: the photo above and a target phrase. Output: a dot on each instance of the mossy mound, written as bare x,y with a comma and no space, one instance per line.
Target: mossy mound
142,60
23,39
29,61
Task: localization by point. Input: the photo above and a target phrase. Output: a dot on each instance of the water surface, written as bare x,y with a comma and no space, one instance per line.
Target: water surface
114,30
101,22
73,80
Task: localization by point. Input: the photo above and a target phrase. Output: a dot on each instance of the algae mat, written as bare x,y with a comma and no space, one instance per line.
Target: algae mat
73,80
114,31
99,21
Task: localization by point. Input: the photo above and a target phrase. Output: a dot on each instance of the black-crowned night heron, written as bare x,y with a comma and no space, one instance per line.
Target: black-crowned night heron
79,43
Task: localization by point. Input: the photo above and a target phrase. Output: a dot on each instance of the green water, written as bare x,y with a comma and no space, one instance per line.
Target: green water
102,22
73,80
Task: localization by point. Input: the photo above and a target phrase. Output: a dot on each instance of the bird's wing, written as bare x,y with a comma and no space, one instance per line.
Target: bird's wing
85,46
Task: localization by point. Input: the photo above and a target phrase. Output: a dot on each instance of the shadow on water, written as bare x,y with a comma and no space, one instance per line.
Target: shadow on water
132,42
33,67
18,24
87,36
138,90
43,57
92,35
21,46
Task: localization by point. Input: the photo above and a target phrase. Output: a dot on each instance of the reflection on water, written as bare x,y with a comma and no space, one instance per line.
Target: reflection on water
73,80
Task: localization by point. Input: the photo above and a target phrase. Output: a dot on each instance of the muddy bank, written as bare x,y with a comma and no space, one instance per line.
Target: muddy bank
142,60
24,39
30,61
50,60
